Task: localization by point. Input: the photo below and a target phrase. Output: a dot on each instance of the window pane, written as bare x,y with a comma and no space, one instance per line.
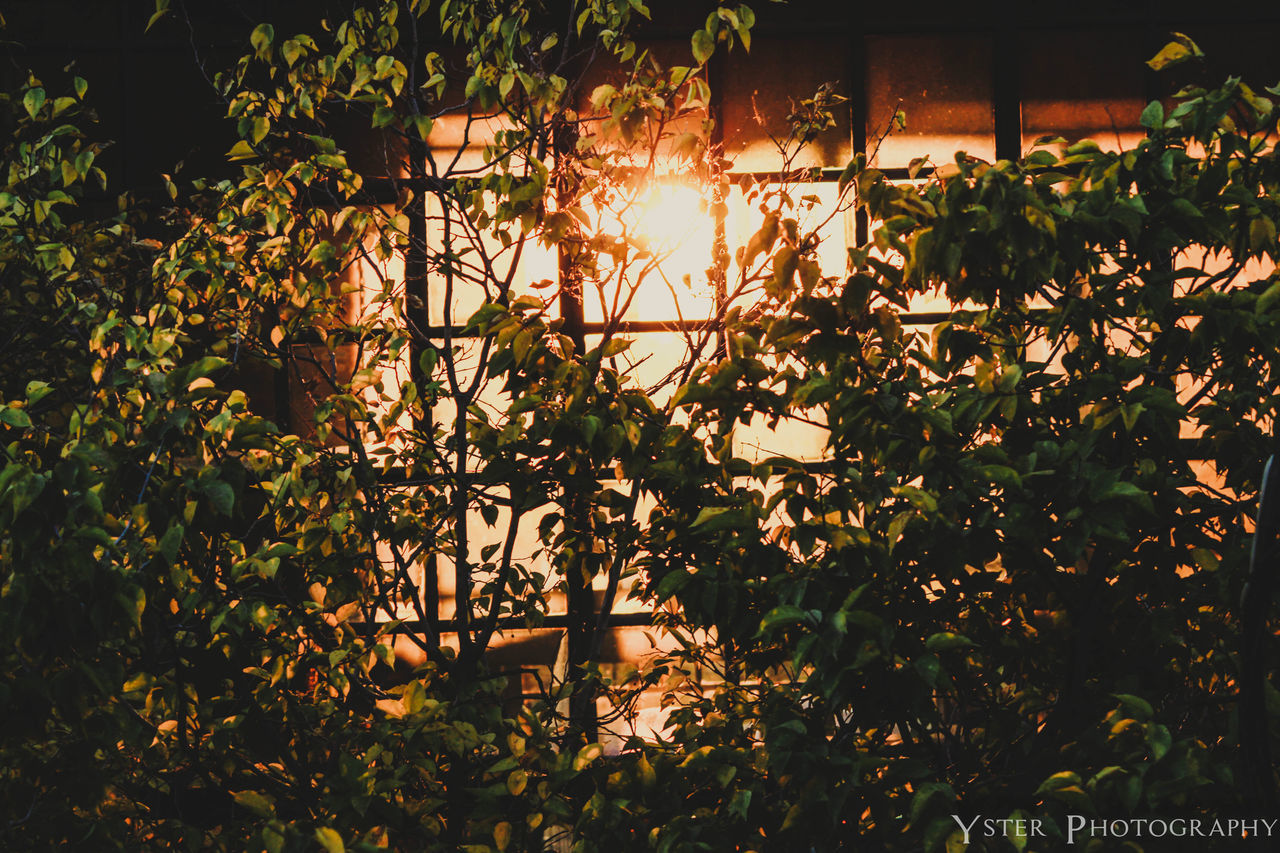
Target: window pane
943,83
665,233
763,87
820,214
481,265
1083,85
654,360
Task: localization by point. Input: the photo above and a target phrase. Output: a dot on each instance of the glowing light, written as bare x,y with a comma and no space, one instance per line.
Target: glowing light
670,222
673,216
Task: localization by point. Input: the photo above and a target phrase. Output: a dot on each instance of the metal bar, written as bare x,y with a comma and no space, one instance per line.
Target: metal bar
720,247
580,620
909,318
1258,783
417,310
552,621
859,104
1006,95
390,190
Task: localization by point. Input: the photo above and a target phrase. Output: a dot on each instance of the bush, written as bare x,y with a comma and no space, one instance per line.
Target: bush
1007,588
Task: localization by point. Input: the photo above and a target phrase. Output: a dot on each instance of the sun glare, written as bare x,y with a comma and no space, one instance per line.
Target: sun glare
671,220
673,216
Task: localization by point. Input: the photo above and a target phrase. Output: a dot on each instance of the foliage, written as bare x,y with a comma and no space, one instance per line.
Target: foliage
201,602
1009,587
243,452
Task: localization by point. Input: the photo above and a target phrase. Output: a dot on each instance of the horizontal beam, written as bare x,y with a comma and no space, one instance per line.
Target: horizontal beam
551,621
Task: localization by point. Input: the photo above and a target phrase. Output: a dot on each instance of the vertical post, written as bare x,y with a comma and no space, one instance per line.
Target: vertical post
720,247
1257,779
581,598
416,309
858,100
1006,95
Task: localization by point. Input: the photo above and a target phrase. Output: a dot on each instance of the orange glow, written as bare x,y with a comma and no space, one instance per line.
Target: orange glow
673,218
671,227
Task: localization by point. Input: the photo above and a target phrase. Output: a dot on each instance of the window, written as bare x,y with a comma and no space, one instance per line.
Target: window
890,89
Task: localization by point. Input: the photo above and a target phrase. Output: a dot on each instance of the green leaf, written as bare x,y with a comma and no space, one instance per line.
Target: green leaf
263,35
33,100
784,271
205,366
925,794
1159,741
422,125
783,614
929,668
162,7
255,802
1062,779
670,584
740,804
258,129
704,44
918,498
273,838
714,518
945,640
221,496
851,171
613,346
14,417
1140,707
999,475
1016,831
1124,490
1152,117
1262,234
37,391
1205,559
1268,299
133,601
170,542
556,226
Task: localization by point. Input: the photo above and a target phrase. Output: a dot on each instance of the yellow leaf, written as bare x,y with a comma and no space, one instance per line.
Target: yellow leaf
1175,53
648,778
241,151
331,840
587,754
253,801
1262,233
502,835
262,37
